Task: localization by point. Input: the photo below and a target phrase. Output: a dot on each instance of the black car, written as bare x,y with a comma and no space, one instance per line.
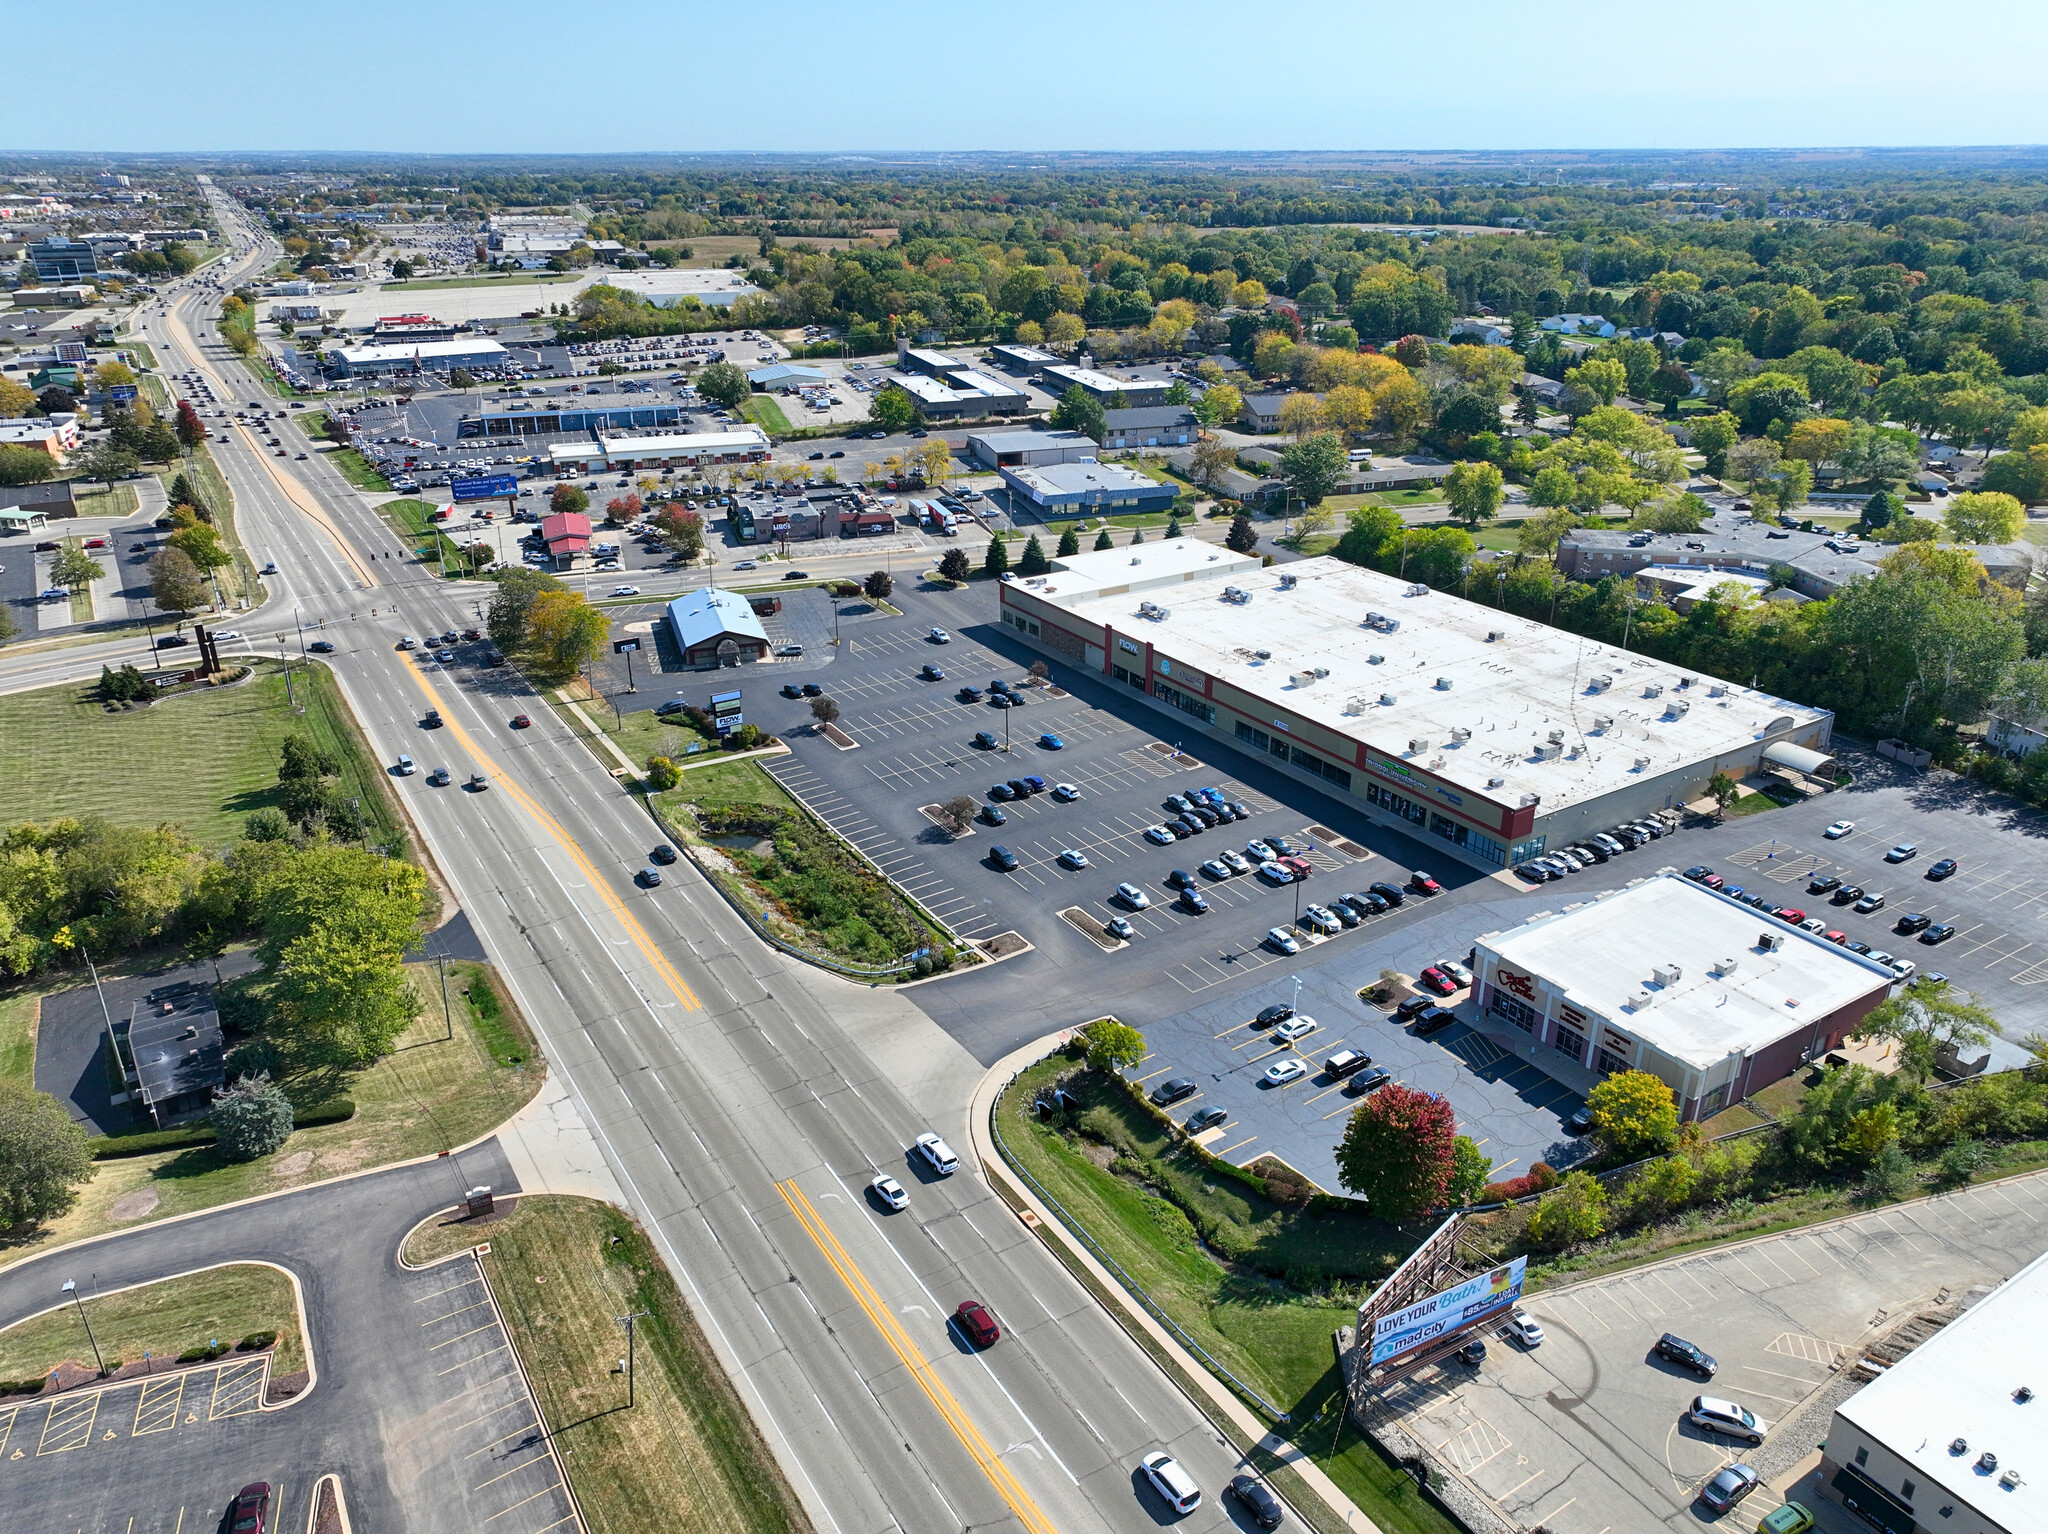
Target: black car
1257,1499
1580,1122
1914,921
933,673
1003,858
813,690
1191,825
663,853
1181,879
791,690
984,740
1411,1007
1279,1012
795,575
1392,894
993,815
1172,1090
1366,905
1847,893
1001,791
1822,883
1687,1356
1207,1118
321,647
1942,869
1204,814
172,641
1367,1081
1344,912
1940,932
969,695
1021,787
673,706
1432,1019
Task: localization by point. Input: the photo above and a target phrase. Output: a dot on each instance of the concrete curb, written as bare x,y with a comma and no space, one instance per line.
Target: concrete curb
1128,1314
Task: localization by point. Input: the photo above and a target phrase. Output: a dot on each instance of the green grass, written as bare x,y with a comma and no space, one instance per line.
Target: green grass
18,1014
81,596
430,1094
1753,804
139,351
238,579
97,500
202,760
1272,1335
640,735
408,519
356,469
478,280
162,1319
726,783
762,410
688,1455
1397,500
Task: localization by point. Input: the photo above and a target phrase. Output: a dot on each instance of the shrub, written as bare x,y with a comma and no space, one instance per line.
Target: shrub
662,773
1961,1161
251,1118
1890,1174
255,1342
1540,1176
1574,1210
1634,1115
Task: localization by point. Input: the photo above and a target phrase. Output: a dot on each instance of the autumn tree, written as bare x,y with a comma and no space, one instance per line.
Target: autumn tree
1634,1115
1398,1151
176,585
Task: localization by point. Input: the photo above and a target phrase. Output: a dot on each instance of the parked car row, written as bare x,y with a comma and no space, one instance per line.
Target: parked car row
1598,848
1854,896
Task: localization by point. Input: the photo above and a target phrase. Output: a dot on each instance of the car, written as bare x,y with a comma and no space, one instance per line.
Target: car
440,777
1943,869
1859,948
1822,884
1932,977
673,706
1066,793
1903,968
1180,879
1052,742
1216,868
889,1191
932,673
1456,971
1525,1329
1234,860
969,695
321,647
1697,872
1436,981
984,740
1282,939
1870,903
1904,852
789,649
1848,893
1813,924
1276,871
169,641
1790,913
1914,921
1718,1416
795,575
1279,1012
1073,857
1259,852
1280,1072
1534,871
1834,935
1116,926
1132,896
978,1324
1789,1518
1186,826
649,876
1296,1028
1392,894
747,564
1940,932
227,634
1172,1090
521,722
1839,829
1473,1352
1172,1483
1411,1007
813,690
625,591
939,636
1687,1355
791,690
1367,904
1003,858
1432,1020
1424,884
1001,700
251,1512
1159,836
1206,1118
994,815
1730,1486
1345,1062
1032,782
836,453
406,767
1367,1082
1257,1499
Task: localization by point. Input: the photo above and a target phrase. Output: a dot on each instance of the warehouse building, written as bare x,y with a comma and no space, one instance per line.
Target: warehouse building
1087,488
1949,1436
786,376
1497,735
1110,393
1153,426
713,628
668,450
1029,449
415,357
1028,360
1710,996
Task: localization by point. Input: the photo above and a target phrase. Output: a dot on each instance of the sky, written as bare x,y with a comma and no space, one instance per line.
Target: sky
574,77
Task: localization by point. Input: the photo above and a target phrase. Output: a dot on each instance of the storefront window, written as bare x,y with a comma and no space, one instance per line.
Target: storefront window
1570,1041
1515,1010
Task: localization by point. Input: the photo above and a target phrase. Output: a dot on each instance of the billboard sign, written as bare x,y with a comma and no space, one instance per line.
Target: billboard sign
484,487
1448,1311
121,394
725,702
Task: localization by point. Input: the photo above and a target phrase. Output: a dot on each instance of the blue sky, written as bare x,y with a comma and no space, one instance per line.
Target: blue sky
572,76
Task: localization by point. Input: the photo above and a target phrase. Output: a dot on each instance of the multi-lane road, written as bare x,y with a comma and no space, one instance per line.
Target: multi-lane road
742,1101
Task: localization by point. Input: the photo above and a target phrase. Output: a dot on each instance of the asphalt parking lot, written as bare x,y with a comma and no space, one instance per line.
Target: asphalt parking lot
1585,1433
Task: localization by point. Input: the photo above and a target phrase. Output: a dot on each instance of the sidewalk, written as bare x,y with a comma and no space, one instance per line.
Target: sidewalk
1126,1311
552,1150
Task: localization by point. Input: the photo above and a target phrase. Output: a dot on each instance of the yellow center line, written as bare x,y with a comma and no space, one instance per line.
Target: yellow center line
984,1454
553,827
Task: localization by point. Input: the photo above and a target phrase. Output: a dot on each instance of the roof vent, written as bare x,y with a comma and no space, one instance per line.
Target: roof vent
1556,736
1549,751
1460,732
1494,636
1443,684
1287,582
1723,968
1418,746
1987,1462
1416,589
2009,1481
1666,974
1687,681
1322,671
1262,654
1677,708
1602,722
1375,660
1639,764
1959,1446
1302,678
1717,690
1530,799
1653,689
1770,942
1600,683
2023,1395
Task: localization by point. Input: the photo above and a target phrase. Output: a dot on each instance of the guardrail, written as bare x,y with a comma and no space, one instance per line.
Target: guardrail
1130,1284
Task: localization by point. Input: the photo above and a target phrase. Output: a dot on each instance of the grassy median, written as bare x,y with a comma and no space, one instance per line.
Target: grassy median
165,1319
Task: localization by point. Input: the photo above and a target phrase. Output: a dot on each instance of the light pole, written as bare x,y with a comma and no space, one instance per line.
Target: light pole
71,1288
627,1321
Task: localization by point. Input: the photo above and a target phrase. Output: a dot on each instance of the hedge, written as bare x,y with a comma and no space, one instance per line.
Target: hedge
117,1147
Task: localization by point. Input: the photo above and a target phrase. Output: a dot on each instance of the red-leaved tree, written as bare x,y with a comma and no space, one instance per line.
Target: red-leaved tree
622,508
1397,1152
191,430
1412,351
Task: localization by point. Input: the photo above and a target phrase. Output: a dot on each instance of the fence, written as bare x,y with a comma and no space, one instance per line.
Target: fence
1131,1285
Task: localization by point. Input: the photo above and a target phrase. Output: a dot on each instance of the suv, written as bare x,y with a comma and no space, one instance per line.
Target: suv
1686,1355
1172,1482
1718,1416
1433,1019
1344,1063
938,1153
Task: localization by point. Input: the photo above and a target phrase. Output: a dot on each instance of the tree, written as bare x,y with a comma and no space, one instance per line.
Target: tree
76,569
1111,1045
2022,474
1819,439
1221,405
510,614
662,773
25,465
1103,540
1768,397
1033,560
191,430
1173,529
106,463
251,1118
1926,1019
566,498
825,711
564,631
1301,415
1670,514
1398,1152
175,583
1474,491
681,531
1313,466
1601,377
1880,509
1574,1210
958,812
892,409
1984,516
1243,537
43,1157
622,508
15,399
1712,436
113,375
1213,459
878,585
1070,542
201,544
1064,329
996,560
1078,410
724,384
1724,791
1470,1169
1634,1115
1372,527
954,565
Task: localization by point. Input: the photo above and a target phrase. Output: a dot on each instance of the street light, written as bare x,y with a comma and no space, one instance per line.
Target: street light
71,1288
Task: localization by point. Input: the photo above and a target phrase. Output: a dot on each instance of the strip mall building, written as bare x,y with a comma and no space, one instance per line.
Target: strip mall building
1497,736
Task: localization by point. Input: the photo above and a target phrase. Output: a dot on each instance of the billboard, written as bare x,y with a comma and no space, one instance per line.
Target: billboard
484,487
1446,1311
121,394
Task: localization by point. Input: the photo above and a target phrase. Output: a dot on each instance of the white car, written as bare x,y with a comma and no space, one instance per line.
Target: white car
938,1153
939,636
890,1191
227,634
1903,968
1282,939
1073,857
1159,835
1272,870
747,564
1296,1028
1524,1329
1280,1072
1172,1482
1839,829
1066,793
1133,897
407,767
1718,1416
625,591
1234,860
1456,971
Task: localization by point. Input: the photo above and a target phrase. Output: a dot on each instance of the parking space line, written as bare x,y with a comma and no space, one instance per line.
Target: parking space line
538,1459
473,1331
531,1427
69,1424
523,1501
157,1403
7,1426
237,1388
467,1283
1229,1148
479,1305
501,1347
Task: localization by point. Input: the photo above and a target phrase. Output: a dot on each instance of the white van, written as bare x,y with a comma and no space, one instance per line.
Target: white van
938,1153
1172,1482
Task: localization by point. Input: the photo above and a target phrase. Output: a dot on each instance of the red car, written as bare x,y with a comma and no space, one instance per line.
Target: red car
520,722
1790,913
1436,981
1836,937
979,1325
252,1509
1301,868
1422,883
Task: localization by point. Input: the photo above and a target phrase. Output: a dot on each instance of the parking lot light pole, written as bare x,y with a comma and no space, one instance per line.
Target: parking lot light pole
627,1321
71,1288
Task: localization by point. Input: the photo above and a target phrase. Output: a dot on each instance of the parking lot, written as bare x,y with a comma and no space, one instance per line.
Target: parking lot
1585,1433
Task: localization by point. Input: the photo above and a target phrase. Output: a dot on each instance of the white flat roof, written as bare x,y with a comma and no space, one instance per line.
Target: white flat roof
1959,1383
426,351
1088,474
930,390
1089,378
981,383
1509,692
674,444
1699,581
1606,951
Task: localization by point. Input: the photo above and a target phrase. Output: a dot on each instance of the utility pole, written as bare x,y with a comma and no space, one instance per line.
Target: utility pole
447,1016
627,1321
71,1288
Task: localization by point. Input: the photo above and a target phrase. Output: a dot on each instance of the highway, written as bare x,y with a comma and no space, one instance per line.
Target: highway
742,1100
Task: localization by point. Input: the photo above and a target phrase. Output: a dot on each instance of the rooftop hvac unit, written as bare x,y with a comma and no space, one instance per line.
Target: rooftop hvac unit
1549,751
1416,589
1262,655
1640,763
1236,594
1287,583
1653,689
1148,608
1162,612
1459,732
1443,684
1302,678
1666,974
1600,683
1353,707
1373,620
1555,735
1770,942
1494,636
1322,671
1417,747
1724,967
1718,690
1389,625
1677,708
1639,1001
1388,700
1687,681
1602,722
1375,660
1496,782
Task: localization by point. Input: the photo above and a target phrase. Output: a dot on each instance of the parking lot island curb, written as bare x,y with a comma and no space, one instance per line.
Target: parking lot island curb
1218,1399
